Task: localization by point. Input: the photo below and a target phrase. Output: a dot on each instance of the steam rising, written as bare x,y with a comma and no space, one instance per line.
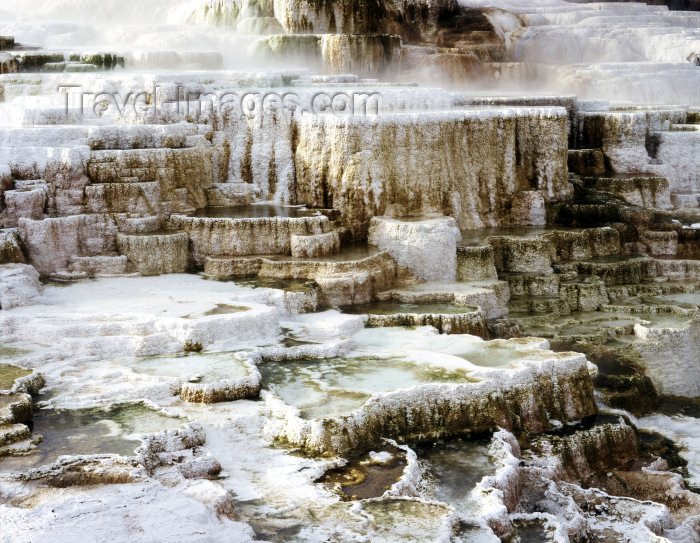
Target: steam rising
628,52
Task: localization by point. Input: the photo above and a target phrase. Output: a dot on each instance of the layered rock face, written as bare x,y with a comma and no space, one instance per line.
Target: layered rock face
112,196
213,237
367,55
388,162
412,17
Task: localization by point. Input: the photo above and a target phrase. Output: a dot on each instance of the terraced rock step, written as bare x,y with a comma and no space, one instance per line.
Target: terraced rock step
10,249
685,127
586,161
679,270
524,284
129,224
367,55
446,318
490,296
230,194
537,251
15,412
315,245
583,215
155,253
476,263
359,428
28,199
44,61
249,230
619,270
124,197
6,42
98,265
426,244
643,190
12,433
355,275
539,304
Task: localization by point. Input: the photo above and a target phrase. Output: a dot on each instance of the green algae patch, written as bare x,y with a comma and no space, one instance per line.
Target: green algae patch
621,380
193,347
226,309
9,374
676,405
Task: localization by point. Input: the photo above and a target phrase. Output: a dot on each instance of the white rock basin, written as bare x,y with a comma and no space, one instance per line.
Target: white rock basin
391,359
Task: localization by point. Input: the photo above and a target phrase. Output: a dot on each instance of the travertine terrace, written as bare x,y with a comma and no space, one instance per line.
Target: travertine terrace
349,271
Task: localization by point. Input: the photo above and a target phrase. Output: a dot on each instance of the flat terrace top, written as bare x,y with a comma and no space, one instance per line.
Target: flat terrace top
479,236
256,211
348,253
393,307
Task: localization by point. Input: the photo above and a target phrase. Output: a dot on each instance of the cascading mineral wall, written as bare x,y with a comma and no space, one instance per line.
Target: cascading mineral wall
468,164
156,253
262,144
139,180
409,17
367,56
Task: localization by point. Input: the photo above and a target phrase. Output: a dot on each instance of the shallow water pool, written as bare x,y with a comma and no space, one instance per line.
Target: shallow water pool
113,430
322,388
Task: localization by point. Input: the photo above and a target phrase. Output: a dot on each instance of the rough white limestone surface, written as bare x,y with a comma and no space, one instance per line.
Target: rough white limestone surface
426,245
315,245
498,493
670,358
143,511
19,285
178,439
226,390
680,161
490,296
